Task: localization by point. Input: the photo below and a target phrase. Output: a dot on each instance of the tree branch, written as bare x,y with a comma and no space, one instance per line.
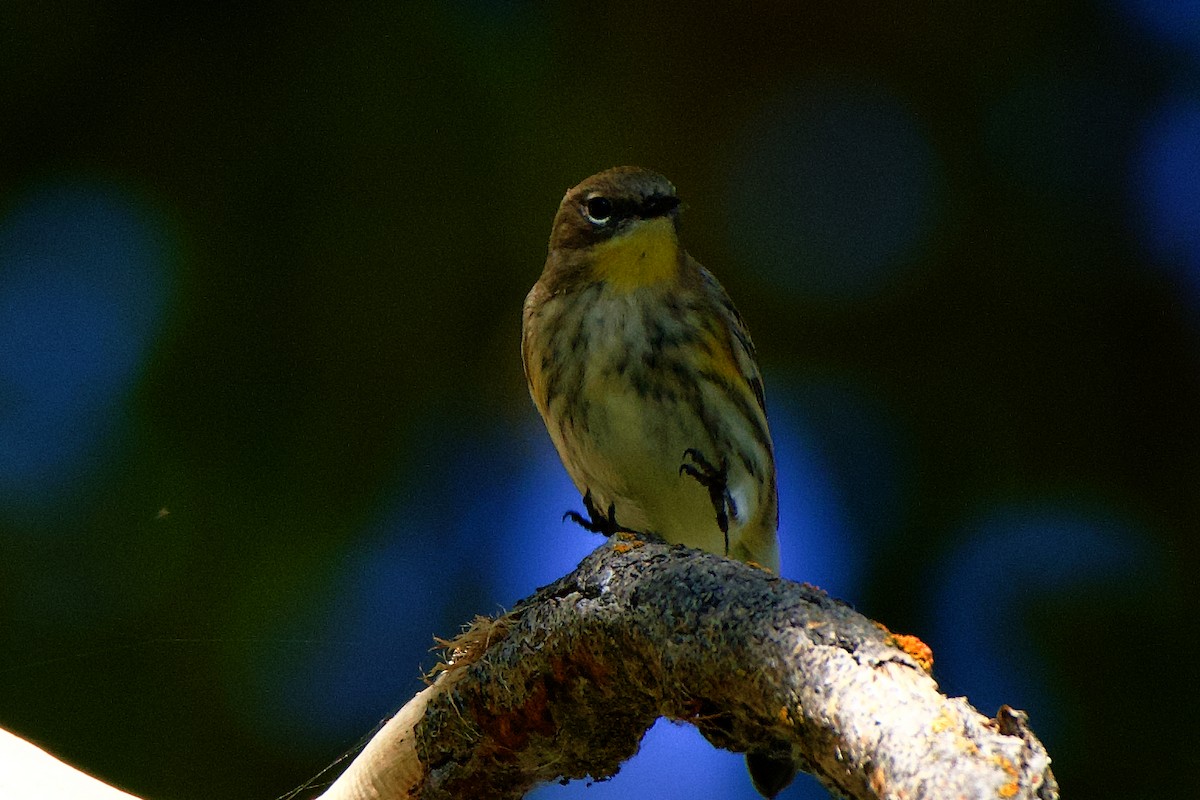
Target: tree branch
566,684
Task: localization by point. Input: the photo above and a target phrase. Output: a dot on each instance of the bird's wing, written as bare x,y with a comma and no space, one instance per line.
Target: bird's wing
740,346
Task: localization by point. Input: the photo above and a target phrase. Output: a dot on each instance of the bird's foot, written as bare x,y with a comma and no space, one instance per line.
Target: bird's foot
715,480
597,521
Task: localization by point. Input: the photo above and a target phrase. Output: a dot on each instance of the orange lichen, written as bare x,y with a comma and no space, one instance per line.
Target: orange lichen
785,717
624,541
1004,764
944,722
919,651
1011,788
878,782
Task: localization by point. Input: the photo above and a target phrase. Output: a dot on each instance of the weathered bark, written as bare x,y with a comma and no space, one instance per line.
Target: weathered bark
566,684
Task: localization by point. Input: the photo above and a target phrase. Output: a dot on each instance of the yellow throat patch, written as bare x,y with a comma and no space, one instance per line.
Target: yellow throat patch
649,253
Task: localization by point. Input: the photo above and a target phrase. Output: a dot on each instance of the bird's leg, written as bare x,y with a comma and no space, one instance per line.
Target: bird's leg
715,479
597,521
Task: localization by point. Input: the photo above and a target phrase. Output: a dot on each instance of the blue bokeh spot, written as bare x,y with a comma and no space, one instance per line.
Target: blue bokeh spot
365,649
841,480
84,282
1175,23
1016,555
1167,188
541,547
419,569
818,540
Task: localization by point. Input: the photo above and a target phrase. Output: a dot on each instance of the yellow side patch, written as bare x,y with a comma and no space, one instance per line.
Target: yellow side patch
722,361
647,254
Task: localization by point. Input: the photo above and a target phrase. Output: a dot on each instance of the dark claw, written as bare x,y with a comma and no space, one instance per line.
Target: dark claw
597,521
581,521
715,479
701,462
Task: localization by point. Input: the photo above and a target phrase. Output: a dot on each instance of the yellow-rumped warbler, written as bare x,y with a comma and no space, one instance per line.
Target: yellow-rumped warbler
646,378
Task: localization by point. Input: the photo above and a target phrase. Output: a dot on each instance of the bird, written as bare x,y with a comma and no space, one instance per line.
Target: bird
647,380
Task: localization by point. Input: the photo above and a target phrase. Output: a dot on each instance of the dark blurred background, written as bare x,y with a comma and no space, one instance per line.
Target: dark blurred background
263,427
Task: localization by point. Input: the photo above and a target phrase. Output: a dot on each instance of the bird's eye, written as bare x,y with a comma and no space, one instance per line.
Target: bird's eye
598,209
